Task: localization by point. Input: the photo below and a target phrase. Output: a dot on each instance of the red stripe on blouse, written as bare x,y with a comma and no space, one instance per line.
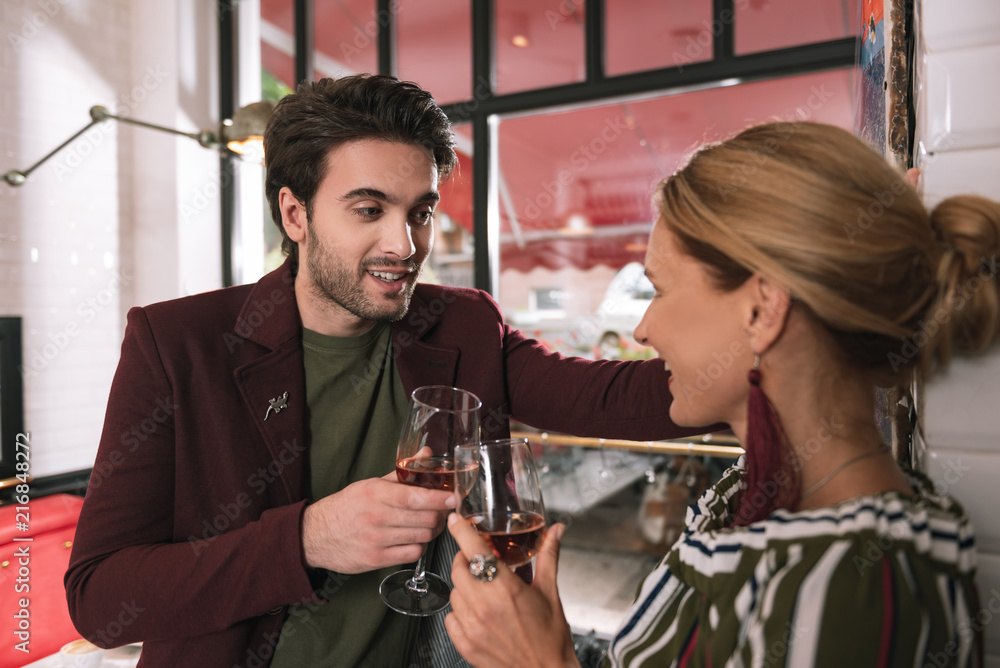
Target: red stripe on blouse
689,650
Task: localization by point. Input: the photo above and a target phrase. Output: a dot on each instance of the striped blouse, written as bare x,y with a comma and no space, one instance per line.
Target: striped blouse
875,581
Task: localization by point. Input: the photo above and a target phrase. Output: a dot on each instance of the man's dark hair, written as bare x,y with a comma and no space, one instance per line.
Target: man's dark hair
322,115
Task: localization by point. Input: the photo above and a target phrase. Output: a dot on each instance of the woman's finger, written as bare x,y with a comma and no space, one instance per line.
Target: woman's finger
468,539
470,544
457,634
548,560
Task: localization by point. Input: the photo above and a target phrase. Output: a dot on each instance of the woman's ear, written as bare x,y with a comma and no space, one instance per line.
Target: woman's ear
770,304
293,215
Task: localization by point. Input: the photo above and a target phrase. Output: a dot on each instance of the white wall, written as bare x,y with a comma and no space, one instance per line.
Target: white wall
958,150
122,216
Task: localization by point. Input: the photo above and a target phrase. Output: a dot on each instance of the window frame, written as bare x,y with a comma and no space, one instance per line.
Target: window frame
724,68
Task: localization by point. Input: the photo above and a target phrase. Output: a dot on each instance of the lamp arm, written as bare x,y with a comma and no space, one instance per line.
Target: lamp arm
204,137
99,114
16,177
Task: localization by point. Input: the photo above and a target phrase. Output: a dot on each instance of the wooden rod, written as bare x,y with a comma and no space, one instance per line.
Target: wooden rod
13,482
714,446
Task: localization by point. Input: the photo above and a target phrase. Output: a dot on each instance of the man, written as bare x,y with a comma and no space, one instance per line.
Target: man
256,500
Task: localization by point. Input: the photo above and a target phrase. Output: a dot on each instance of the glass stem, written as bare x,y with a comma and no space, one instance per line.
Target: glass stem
417,586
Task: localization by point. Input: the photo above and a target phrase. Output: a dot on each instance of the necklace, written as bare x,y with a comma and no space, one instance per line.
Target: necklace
829,476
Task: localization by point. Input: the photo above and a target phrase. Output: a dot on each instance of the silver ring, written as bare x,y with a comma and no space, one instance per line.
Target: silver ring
483,567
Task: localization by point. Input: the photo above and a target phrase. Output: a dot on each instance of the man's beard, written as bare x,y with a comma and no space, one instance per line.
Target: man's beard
335,282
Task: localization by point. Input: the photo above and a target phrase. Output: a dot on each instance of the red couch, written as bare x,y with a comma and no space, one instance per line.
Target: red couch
32,596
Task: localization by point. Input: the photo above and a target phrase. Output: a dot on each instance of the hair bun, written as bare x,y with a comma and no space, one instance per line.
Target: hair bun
970,226
968,304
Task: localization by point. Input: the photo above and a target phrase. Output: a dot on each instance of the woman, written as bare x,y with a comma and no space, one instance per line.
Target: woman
796,252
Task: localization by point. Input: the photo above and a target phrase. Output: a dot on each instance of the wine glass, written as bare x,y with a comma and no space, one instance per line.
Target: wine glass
504,503
439,419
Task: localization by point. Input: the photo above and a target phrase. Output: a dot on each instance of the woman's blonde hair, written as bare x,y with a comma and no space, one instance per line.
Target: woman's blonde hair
814,208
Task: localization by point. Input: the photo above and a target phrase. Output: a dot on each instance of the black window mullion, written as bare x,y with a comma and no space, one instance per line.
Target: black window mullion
595,40
483,49
483,83
304,41
386,37
227,107
723,31
767,65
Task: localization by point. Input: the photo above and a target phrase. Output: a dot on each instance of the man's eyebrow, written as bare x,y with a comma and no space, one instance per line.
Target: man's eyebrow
430,196
376,194
367,193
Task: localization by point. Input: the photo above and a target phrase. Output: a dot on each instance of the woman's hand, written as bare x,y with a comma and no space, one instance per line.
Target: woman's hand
506,622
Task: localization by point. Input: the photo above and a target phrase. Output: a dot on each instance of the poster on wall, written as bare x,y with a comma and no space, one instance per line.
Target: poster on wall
883,78
871,75
882,120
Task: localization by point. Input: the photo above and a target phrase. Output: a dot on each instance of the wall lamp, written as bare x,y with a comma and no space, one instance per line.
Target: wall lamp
243,135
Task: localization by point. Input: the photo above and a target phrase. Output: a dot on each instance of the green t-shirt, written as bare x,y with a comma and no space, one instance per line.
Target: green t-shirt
356,406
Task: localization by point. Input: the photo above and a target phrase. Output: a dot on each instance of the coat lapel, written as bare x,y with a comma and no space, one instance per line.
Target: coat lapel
270,317
280,419
418,362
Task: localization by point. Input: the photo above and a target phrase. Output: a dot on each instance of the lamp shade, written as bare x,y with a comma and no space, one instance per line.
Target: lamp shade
244,132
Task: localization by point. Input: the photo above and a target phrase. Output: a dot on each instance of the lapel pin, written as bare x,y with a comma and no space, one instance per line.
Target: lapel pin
277,404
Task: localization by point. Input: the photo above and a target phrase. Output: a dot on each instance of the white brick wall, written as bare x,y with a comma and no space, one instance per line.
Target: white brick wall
958,150
98,228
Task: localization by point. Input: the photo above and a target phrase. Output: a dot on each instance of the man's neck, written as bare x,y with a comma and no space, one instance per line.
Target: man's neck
327,318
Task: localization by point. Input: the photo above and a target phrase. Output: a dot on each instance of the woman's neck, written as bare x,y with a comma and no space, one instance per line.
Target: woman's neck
827,411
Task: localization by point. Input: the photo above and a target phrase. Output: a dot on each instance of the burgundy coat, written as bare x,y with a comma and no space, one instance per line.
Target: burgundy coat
190,535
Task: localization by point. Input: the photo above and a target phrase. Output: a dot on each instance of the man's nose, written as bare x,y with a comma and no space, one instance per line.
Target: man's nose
398,239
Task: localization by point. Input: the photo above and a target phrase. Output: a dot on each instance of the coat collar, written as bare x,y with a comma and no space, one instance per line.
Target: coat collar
270,314
418,361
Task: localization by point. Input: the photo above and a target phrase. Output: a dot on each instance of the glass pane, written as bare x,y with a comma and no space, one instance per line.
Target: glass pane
346,37
651,34
575,190
434,47
450,262
277,42
763,25
539,43
277,79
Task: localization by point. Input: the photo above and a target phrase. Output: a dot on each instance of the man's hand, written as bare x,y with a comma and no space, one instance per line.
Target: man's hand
371,524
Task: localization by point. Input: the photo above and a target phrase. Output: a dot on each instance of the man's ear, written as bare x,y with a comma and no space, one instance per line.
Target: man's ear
770,304
293,215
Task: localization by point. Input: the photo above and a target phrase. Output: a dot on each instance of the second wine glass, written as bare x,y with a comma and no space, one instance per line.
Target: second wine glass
504,503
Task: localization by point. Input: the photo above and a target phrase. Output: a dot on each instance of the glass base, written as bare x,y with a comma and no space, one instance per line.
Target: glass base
401,597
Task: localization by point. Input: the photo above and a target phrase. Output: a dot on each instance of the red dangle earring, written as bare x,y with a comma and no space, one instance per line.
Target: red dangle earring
772,481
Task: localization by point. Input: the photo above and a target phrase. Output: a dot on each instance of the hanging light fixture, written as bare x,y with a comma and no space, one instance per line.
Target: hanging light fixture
244,132
242,135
